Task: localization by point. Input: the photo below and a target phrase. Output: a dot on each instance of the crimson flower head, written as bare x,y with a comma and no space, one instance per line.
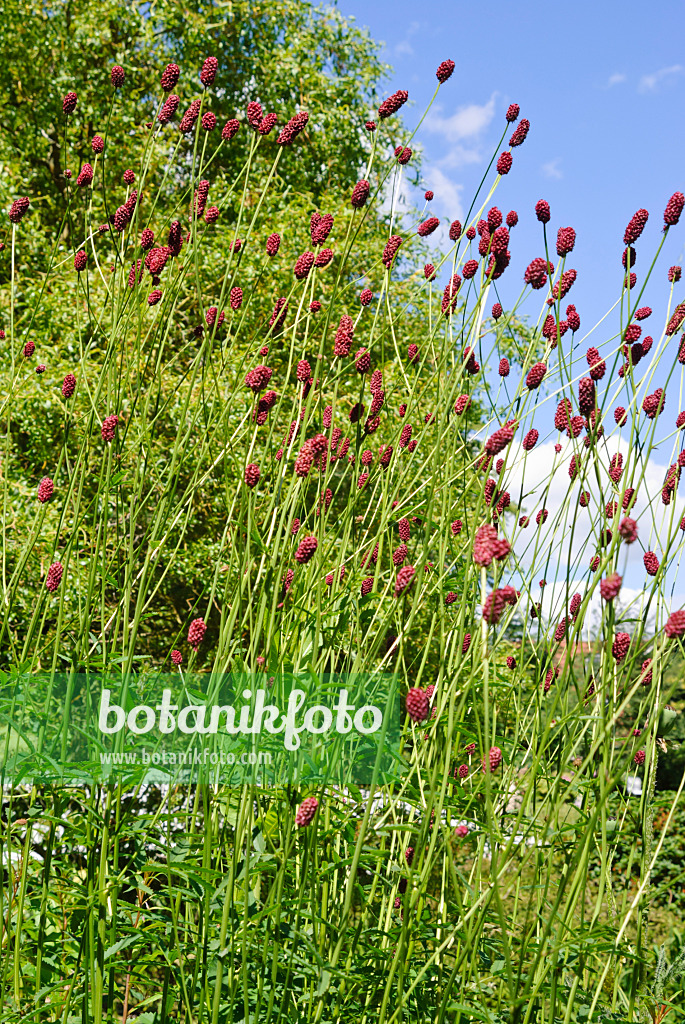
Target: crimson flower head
229,129
201,197
653,404
258,378
610,586
306,812
572,318
362,361
535,376
303,265
404,579
129,177
393,103
496,311
536,273
54,577
445,69
566,239
498,441
365,296
170,77
168,109
428,196
674,208
254,114
69,385
306,549
293,128
376,382
304,370
513,112
390,251
360,193
29,349
320,227
109,427
18,209
97,144
505,162
494,218
208,121
494,759
675,627
403,154
252,475
417,703
85,176
69,103
176,658
188,120
370,126
45,490
620,646
676,320
494,606
323,257
117,76
674,274
272,244
542,211
520,132
428,227
635,227
80,260
455,230
209,69
196,633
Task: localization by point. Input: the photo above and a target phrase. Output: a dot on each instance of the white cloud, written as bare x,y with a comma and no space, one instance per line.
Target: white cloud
546,483
465,123
550,551
551,169
447,193
649,83
462,130
404,47
616,79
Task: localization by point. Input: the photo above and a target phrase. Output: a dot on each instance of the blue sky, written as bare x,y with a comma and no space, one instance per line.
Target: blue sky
603,86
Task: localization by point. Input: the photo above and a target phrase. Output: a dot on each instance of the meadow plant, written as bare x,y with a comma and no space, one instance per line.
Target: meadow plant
371,483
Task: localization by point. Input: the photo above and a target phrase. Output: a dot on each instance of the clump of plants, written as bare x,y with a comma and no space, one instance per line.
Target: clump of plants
371,436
